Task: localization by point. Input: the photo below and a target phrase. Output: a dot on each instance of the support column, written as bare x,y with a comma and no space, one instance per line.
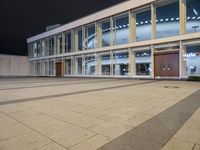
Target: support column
152,61
63,43
55,45
99,35
153,22
132,66
111,32
132,27
111,63
75,41
96,65
99,63
58,44
181,60
182,14
83,37
72,41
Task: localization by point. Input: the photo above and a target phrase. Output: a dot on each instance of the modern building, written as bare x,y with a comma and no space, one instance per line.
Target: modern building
136,38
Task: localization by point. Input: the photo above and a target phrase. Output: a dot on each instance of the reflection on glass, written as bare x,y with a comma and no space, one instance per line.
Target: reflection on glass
90,37
105,64
80,40
68,65
106,33
193,16
192,60
143,62
68,42
121,30
79,66
121,63
167,20
143,25
51,46
90,64
51,67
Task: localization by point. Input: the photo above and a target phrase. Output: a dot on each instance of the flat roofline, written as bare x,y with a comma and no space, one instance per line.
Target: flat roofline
107,12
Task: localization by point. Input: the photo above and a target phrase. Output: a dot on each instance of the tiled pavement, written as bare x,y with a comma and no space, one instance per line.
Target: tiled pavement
67,118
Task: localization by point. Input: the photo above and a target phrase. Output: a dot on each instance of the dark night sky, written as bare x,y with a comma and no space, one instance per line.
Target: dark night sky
21,19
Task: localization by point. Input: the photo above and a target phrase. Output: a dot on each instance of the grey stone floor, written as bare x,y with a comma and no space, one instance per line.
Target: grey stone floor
87,114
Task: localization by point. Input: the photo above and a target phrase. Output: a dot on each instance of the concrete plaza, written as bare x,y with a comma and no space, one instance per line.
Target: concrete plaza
106,114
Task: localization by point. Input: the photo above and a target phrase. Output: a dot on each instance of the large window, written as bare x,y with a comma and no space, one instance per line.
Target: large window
120,64
80,39
193,16
60,44
105,64
51,46
90,39
167,20
37,52
121,30
51,67
68,46
90,65
192,60
143,25
68,66
143,62
79,65
106,33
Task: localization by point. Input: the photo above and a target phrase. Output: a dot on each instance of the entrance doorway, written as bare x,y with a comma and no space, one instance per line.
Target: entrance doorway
58,69
166,64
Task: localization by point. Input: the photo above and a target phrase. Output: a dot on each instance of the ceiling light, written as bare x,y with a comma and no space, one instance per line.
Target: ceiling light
161,20
196,13
141,22
120,26
124,25
172,19
188,18
193,18
146,21
177,18
166,19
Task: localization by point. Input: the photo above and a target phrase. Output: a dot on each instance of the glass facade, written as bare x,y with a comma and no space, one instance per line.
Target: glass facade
121,63
51,46
167,20
193,16
106,33
106,38
105,64
192,60
121,30
143,63
68,42
90,65
79,66
143,25
68,66
80,40
90,39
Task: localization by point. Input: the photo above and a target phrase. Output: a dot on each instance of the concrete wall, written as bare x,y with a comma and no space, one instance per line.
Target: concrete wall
11,65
